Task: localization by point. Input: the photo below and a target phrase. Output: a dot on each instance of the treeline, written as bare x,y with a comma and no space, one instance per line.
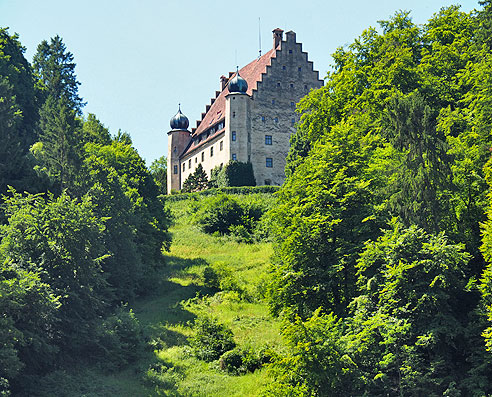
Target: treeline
382,262
82,225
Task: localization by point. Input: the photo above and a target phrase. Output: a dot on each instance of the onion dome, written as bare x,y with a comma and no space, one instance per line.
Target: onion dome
179,121
238,84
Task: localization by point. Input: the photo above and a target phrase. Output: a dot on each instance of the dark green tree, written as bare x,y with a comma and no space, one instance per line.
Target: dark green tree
61,240
236,173
196,181
60,150
55,68
18,115
423,173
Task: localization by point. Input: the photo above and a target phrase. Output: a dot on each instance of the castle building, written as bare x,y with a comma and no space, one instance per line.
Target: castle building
249,120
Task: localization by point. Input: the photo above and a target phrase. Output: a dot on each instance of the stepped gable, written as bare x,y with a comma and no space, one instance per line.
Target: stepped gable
215,112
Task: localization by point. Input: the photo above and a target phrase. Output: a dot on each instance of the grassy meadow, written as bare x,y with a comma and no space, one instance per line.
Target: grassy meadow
169,368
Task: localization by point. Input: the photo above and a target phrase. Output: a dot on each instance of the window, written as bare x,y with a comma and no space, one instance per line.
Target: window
196,160
305,86
292,105
290,51
234,157
203,156
268,182
233,136
291,85
299,69
273,101
221,145
284,67
263,118
275,119
175,169
292,121
268,139
189,163
212,151
184,166
175,149
269,162
278,84
233,114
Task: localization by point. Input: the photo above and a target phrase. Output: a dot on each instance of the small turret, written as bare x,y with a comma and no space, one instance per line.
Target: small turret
238,84
179,121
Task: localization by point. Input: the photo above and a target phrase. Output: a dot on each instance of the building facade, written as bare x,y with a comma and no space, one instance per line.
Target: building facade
249,120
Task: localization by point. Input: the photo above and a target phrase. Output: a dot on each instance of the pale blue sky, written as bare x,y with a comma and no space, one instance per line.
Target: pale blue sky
137,60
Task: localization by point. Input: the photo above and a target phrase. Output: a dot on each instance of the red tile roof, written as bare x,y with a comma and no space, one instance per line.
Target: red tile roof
215,112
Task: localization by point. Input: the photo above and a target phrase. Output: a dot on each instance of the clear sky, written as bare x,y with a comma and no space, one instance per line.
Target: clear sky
137,60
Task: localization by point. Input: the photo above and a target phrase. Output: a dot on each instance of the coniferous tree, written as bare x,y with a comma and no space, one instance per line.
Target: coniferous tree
18,115
55,67
196,181
61,151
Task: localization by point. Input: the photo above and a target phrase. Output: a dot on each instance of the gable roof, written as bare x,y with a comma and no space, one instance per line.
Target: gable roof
215,112
251,73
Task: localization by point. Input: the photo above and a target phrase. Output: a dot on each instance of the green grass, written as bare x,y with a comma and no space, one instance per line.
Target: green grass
169,368
170,312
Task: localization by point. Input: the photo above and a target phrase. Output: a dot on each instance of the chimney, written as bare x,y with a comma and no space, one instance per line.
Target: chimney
277,37
223,82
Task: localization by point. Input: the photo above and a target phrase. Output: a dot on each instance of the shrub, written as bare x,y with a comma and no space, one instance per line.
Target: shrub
239,361
211,278
235,173
118,339
211,339
219,213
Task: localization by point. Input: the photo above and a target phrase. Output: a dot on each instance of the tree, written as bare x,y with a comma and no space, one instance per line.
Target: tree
196,181
95,131
158,170
423,173
148,217
61,240
18,115
60,149
55,67
325,212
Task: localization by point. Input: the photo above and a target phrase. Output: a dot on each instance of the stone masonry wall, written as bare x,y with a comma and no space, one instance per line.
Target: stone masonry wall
288,79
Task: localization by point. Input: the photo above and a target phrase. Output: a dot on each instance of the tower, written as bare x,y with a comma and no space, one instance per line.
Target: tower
178,140
238,120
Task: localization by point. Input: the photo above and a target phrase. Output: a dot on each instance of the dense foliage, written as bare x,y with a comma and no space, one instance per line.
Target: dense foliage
398,138
85,237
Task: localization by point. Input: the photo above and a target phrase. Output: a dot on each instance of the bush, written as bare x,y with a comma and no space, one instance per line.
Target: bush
211,339
242,360
118,339
219,276
235,173
219,213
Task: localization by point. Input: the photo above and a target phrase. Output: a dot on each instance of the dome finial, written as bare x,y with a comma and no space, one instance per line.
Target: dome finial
179,121
238,84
